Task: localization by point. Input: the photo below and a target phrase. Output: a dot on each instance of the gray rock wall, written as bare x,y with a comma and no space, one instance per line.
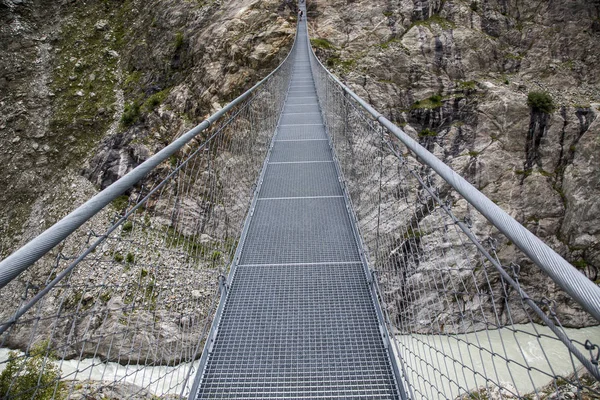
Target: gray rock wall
456,75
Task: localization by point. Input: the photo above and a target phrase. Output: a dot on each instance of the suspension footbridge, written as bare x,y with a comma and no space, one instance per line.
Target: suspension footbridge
303,247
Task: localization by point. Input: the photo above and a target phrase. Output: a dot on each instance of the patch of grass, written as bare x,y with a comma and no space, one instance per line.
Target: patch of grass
338,62
411,233
467,85
427,132
120,203
130,258
321,43
143,273
473,153
432,102
437,20
540,101
118,257
519,56
525,173
178,40
580,264
474,6
133,78
215,257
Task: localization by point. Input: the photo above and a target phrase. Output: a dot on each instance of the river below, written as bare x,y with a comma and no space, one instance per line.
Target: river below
534,360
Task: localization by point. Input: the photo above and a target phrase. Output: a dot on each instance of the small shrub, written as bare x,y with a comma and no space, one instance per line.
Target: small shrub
143,273
436,98
118,257
127,226
131,114
474,6
22,374
540,101
155,100
178,40
130,258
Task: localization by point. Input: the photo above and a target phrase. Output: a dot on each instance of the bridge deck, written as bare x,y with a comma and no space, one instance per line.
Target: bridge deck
299,320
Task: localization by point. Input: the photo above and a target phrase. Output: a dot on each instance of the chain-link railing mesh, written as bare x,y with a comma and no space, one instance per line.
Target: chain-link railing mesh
122,307
472,317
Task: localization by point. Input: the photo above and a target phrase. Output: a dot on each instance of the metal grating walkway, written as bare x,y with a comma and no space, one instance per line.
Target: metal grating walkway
299,319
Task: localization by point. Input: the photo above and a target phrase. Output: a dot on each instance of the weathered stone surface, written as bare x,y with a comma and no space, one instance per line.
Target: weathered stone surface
482,59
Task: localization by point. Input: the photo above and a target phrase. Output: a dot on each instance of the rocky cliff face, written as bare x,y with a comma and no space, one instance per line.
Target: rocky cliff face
456,75
94,87
90,89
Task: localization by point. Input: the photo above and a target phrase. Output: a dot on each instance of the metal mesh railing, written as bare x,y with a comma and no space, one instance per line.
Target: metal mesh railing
472,316
122,306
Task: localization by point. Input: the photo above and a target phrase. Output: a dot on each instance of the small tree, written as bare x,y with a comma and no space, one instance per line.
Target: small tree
540,101
35,376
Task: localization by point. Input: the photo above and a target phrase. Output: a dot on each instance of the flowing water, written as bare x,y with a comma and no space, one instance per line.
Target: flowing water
535,359
159,380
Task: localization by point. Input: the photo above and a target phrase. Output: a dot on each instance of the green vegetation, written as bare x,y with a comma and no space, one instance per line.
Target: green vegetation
434,101
427,132
118,257
215,257
131,114
580,264
524,173
540,101
338,62
467,85
437,20
519,56
474,6
121,202
105,296
411,233
178,40
130,258
127,226
133,78
36,375
473,153
155,100
321,43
